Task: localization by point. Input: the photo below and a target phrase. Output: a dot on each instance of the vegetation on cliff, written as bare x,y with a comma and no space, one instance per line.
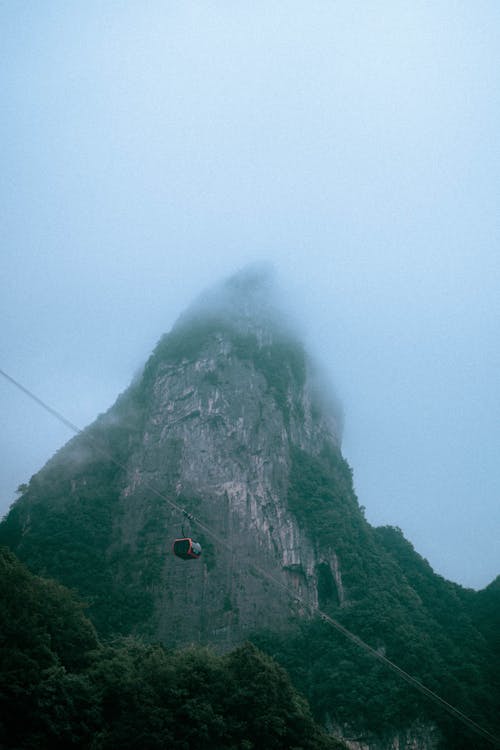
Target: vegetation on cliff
396,603
61,688
280,361
63,527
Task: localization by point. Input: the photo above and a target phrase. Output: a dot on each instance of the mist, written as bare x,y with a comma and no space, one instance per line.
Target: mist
151,150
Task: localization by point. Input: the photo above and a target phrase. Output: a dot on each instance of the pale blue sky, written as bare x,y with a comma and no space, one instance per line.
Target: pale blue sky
151,148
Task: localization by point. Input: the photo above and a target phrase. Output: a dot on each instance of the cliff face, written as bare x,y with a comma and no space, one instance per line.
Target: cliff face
418,736
221,421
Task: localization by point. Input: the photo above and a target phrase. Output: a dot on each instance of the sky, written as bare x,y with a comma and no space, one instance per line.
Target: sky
152,148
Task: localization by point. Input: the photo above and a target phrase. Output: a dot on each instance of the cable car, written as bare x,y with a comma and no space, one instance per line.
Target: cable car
186,548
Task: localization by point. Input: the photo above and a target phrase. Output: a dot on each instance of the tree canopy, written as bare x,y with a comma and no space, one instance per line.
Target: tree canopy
60,687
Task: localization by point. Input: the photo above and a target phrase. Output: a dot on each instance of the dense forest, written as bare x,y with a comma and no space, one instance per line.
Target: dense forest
61,687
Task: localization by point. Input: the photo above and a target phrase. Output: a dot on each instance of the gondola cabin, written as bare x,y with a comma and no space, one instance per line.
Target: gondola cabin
186,549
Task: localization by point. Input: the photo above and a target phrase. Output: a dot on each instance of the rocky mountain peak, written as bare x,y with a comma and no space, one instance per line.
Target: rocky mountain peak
249,301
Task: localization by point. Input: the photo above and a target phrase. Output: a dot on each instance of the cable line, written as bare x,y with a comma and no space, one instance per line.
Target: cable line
57,415
406,676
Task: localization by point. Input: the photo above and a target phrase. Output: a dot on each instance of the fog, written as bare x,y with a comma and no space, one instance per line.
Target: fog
151,149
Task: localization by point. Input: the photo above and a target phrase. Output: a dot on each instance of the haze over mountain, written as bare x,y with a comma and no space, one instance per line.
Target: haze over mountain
229,419
150,149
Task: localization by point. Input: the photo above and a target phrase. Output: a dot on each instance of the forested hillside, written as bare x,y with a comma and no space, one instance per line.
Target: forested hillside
440,633
60,687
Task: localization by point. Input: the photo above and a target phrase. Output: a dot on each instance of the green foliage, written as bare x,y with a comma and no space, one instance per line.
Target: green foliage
357,691
60,688
266,708
45,644
394,602
321,496
340,681
184,341
64,527
484,609
280,363
153,698
212,377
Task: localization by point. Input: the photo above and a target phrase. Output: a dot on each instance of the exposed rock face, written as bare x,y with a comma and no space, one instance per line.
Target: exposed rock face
419,736
217,437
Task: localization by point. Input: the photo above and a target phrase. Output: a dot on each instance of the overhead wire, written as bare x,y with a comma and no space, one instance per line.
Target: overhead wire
406,676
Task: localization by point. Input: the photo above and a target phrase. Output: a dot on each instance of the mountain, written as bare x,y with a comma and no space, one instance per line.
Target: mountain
214,424
231,421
